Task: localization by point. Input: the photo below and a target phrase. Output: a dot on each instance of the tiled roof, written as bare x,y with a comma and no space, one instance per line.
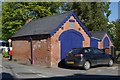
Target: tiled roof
43,25
99,34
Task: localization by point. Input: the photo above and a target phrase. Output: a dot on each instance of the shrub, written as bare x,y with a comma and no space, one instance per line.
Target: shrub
5,54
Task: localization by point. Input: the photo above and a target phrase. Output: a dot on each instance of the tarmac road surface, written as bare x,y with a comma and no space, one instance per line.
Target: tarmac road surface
13,70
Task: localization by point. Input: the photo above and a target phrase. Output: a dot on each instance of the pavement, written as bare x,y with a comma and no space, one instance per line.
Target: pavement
12,70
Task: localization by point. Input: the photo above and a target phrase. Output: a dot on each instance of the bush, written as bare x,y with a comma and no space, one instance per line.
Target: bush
5,54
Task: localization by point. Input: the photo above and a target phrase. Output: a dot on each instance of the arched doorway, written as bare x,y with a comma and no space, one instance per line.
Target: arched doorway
70,39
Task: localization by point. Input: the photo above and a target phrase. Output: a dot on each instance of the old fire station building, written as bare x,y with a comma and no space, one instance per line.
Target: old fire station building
47,40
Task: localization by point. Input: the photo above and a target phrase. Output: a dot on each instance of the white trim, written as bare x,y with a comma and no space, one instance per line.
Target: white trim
95,38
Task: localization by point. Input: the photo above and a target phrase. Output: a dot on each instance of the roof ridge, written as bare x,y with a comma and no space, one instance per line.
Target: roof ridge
33,20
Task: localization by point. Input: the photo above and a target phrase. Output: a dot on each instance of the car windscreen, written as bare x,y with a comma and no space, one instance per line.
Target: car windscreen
74,51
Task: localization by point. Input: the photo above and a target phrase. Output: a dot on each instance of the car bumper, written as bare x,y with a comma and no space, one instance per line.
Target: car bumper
75,63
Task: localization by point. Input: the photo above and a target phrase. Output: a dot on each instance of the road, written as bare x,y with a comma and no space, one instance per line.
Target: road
13,70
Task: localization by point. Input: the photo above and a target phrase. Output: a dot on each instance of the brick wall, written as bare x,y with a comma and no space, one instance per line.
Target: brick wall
41,51
21,50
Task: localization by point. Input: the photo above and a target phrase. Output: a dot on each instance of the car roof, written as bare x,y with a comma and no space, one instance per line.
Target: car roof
86,48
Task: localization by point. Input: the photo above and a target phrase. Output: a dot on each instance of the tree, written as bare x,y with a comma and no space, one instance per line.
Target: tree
0,20
114,31
0,25
15,14
117,38
94,15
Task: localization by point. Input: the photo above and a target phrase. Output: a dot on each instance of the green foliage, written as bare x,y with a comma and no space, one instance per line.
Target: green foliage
117,31
16,14
114,31
94,15
0,26
5,54
0,21
117,52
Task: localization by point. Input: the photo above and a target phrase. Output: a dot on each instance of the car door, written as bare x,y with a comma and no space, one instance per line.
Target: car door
102,57
88,52
99,56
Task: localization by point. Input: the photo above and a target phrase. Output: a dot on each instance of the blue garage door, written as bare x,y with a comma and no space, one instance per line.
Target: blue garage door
70,39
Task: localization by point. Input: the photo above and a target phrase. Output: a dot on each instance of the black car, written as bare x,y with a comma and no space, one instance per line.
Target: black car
87,57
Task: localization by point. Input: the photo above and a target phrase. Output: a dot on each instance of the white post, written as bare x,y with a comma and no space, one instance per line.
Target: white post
9,40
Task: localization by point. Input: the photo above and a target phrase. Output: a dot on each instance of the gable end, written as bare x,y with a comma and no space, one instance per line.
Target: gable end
77,19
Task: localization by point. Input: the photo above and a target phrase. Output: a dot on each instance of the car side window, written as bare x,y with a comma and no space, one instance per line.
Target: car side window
87,51
90,50
97,51
100,51
74,51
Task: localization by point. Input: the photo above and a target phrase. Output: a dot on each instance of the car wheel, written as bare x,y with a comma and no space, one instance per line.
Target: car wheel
110,63
86,65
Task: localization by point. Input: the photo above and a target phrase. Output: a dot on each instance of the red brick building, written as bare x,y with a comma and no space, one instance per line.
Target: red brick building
47,40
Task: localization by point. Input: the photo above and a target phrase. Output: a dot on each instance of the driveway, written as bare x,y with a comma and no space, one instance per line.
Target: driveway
18,71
